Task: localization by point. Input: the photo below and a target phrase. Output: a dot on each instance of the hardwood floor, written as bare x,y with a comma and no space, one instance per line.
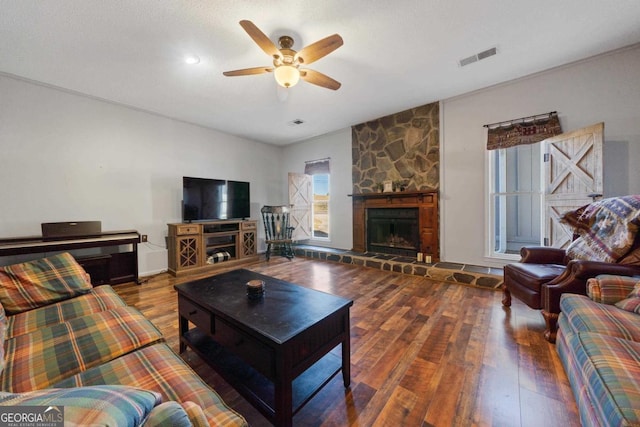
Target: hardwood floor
423,353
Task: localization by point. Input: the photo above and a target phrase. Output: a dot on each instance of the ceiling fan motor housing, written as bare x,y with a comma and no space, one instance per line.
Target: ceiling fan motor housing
285,42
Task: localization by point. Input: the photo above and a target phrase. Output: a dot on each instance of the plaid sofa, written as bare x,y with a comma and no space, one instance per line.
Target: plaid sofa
69,345
599,346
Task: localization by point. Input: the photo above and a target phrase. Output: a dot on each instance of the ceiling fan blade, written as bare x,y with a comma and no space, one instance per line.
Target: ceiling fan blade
319,79
261,39
248,71
319,49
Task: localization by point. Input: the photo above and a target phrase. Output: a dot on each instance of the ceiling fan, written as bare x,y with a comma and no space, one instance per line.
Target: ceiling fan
287,62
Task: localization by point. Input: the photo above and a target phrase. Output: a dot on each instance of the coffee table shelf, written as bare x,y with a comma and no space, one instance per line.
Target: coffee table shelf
254,386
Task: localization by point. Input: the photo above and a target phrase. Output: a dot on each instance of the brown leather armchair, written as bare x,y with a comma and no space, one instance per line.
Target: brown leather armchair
544,274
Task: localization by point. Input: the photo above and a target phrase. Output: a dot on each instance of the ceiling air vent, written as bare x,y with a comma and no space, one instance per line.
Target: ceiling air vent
478,56
469,60
487,53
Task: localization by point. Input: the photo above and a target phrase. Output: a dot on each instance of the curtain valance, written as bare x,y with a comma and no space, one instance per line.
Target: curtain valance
525,130
317,167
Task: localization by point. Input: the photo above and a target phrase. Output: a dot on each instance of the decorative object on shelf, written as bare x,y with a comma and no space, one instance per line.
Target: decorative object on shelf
399,185
287,62
255,289
218,257
379,187
388,186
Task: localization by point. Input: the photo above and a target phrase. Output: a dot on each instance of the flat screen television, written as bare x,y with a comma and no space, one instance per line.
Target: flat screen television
210,199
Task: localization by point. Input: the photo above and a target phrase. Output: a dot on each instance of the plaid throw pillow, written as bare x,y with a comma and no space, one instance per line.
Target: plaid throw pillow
41,282
607,228
106,405
632,302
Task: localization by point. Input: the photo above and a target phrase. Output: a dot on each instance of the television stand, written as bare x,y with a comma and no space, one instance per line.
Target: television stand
210,245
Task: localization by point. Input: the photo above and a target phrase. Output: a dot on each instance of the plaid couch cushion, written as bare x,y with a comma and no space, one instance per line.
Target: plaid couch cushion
572,368
40,359
158,368
583,315
632,301
40,282
92,406
98,299
605,377
609,289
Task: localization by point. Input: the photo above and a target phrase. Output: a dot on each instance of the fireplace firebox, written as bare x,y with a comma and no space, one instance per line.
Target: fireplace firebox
393,231
414,230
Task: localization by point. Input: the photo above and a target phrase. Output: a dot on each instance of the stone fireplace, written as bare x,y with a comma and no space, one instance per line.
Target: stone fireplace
402,149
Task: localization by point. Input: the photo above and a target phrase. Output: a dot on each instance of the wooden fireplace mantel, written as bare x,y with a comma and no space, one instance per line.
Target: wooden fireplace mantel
425,201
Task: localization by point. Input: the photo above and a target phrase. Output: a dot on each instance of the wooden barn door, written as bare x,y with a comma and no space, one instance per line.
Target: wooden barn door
300,199
573,178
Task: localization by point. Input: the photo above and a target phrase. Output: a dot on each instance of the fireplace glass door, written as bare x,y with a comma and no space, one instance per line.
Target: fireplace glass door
393,231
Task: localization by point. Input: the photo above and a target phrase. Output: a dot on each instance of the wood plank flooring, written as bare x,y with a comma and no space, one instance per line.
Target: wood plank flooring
423,353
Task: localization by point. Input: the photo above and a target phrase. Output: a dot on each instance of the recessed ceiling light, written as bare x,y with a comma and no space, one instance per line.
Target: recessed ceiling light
192,59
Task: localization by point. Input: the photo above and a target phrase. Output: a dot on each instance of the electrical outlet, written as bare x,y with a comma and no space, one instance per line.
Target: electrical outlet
144,238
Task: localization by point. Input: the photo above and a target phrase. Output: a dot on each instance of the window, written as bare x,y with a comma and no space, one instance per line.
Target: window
516,199
320,206
319,171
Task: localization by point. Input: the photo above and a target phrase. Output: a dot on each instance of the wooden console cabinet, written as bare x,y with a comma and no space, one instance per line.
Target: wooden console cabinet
425,201
193,247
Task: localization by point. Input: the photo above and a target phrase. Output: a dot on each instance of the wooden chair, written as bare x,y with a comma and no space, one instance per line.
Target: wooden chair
278,232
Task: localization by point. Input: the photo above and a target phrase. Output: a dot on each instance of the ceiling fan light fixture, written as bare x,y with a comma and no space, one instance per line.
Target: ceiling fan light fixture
287,75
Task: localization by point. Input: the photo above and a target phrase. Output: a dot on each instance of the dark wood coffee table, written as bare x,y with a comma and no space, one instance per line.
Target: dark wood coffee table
277,351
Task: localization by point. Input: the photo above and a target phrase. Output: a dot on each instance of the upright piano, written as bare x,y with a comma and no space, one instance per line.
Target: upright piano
110,266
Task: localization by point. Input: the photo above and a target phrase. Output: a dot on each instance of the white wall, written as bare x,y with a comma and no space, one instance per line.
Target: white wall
65,157
602,89
337,146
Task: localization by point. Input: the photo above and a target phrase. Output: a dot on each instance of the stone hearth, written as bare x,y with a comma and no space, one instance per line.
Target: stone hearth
462,274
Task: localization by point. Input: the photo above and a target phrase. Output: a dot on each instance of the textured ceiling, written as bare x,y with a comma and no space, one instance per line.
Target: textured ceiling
396,55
